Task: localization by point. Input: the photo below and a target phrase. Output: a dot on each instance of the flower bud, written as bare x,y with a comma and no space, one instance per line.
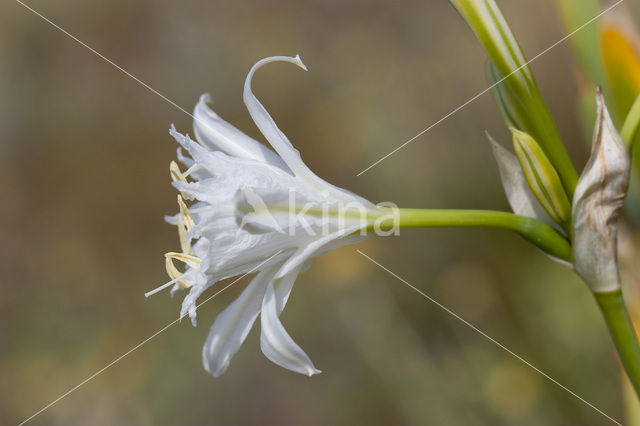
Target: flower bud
542,177
597,201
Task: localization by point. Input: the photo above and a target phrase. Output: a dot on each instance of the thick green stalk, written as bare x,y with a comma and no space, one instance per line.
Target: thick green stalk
622,332
517,80
533,230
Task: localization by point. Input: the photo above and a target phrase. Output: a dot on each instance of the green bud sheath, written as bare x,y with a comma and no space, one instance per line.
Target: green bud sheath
519,90
542,177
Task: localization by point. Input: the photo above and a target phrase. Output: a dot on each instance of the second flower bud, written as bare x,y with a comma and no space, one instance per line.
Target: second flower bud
542,178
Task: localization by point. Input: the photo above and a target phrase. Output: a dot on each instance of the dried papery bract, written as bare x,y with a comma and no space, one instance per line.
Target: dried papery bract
522,201
521,198
597,201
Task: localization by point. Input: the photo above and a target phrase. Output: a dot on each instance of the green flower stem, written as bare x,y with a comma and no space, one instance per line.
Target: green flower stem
533,230
622,332
631,126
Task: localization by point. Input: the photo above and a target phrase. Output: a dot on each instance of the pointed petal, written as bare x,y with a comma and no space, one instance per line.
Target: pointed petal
275,342
232,326
238,267
284,285
597,201
214,132
265,123
279,140
522,201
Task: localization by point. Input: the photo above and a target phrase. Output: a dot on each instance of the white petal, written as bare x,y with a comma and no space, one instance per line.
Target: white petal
597,201
232,326
277,138
238,266
521,199
181,157
275,342
265,123
214,132
308,251
284,285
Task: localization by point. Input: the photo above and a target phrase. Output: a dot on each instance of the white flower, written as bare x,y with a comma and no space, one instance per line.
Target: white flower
253,211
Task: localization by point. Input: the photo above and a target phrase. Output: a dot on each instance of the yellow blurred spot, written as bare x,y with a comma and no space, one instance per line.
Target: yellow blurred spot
343,266
620,46
620,54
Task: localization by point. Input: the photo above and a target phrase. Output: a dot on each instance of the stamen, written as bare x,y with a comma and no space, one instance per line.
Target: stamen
163,286
175,172
188,220
177,176
190,260
182,235
174,273
191,170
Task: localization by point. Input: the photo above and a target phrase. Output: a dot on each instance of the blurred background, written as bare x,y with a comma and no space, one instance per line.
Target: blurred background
84,186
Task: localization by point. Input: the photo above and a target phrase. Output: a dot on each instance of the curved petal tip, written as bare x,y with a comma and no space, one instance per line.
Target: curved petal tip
299,63
314,372
205,98
293,59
